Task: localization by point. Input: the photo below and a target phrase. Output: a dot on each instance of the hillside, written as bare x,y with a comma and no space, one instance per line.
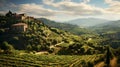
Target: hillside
74,29
37,36
87,22
33,35
109,31
112,26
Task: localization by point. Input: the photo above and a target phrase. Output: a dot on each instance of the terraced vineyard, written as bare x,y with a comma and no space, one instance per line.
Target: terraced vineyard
47,60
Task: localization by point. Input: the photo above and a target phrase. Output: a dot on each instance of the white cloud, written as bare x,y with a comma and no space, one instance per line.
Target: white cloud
38,11
114,6
35,9
117,0
112,2
108,1
64,9
67,0
68,9
86,1
2,12
75,8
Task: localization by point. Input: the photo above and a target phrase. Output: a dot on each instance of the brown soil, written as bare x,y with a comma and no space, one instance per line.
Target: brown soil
113,63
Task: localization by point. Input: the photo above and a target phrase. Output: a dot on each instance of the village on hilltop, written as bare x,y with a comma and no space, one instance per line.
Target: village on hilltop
19,26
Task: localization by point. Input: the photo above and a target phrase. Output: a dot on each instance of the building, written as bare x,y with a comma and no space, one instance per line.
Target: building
19,27
28,18
22,16
19,16
16,16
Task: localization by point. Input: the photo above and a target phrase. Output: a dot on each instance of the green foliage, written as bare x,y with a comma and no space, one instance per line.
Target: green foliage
38,36
16,38
6,47
82,48
2,31
29,47
108,56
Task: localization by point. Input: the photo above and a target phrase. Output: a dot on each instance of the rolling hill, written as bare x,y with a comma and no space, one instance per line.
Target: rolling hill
42,37
38,36
87,22
74,29
109,31
112,26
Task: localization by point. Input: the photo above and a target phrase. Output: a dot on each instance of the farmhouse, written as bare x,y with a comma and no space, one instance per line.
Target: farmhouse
20,16
19,27
16,16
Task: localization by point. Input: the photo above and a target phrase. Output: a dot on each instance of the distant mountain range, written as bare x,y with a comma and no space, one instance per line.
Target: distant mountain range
111,26
110,23
87,22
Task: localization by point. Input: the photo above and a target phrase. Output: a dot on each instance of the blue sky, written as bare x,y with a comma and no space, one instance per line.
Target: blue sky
64,10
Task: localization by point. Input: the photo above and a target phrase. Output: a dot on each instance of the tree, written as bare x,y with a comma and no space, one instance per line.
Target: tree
38,47
7,47
29,47
108,55
9,14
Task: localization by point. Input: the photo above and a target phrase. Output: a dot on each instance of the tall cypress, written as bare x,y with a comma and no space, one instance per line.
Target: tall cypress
108,57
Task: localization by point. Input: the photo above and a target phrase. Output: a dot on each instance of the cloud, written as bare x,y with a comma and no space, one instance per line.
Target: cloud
2,12
30,9
67,0
36,10
117,0
86,1
39,10
6,6
112,2
63,8
75,8
108,1
114,6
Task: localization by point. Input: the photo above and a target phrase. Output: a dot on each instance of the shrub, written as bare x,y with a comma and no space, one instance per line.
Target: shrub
8,48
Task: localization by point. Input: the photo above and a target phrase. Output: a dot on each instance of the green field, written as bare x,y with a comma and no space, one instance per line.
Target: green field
28,60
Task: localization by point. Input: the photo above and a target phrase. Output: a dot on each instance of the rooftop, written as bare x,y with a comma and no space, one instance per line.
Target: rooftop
19,24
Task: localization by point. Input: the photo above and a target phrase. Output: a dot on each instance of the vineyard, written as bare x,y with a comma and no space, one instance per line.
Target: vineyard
29,60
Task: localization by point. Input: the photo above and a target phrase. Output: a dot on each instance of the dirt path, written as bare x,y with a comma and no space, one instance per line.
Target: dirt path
101,64
113,63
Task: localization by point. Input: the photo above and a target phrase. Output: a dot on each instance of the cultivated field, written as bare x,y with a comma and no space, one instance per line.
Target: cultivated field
29,60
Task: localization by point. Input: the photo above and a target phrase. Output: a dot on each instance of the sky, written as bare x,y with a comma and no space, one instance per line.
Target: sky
64,10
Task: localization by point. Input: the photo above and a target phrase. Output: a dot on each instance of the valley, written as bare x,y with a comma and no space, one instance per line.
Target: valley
39,42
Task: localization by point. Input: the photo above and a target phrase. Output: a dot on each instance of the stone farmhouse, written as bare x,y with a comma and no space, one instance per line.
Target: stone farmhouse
19,27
